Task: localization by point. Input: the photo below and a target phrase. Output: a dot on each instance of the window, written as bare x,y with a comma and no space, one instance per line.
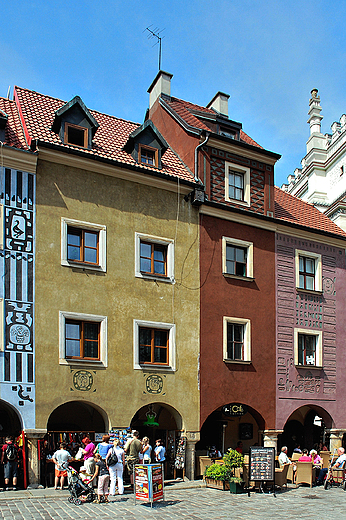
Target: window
83,244
154,345
237,183
307,347
76,135
308,271
83,338
148,155
154,257
237,257
237,346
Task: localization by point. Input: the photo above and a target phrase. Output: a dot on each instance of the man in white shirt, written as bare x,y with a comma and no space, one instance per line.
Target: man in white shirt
339,463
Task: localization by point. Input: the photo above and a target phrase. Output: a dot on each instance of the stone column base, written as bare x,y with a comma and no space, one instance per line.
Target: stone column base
190,457
32,437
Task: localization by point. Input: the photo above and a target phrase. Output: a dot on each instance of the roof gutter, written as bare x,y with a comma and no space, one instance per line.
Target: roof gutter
197,179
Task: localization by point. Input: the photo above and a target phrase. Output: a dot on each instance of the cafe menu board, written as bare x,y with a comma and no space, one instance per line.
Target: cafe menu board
180,454
148,482
262,464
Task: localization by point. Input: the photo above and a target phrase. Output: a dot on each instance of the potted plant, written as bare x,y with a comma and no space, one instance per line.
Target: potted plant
236,485
217,476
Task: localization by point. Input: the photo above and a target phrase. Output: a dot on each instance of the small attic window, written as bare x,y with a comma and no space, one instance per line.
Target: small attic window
148,155
227,133
76,135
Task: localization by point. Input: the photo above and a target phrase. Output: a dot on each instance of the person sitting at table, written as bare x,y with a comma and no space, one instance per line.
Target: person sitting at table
239,447
305,457
316,461
339,463
283,458
297,449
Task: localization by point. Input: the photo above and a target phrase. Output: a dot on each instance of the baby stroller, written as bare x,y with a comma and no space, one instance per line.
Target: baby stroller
335,476
79,491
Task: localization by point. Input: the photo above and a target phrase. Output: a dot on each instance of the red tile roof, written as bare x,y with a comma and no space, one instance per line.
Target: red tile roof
38,112
14,135
184,108
296,211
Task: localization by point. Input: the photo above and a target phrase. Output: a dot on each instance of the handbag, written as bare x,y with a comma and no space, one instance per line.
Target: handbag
112,459
79,454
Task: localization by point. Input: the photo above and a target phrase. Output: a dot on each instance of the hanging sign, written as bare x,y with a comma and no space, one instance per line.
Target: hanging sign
234,409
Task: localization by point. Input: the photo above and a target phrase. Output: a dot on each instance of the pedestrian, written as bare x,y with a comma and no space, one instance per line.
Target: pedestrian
101,471
61,458
132,449
9,457
116,470
146,450
103,447
160,451
88,455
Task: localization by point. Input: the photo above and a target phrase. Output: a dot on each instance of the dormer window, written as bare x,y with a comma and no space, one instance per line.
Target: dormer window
227,133
148,155
76,135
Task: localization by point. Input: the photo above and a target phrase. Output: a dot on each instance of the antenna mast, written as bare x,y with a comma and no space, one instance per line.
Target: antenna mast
155,33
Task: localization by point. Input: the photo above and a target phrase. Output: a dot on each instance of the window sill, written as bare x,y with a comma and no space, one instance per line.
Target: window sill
80,265
310,367
237,362
82,363
238,277
154,368
309,291
240,202
164,279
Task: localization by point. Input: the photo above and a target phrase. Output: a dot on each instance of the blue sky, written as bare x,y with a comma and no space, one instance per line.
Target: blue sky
267,55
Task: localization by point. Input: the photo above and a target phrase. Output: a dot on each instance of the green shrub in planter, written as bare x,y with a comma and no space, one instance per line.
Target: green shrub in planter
218,472
233,459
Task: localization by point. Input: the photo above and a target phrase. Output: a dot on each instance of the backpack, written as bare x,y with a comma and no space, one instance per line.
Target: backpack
113,459
11,452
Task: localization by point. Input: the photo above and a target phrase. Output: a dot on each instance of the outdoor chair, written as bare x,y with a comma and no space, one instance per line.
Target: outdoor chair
305,473
281,475
325,456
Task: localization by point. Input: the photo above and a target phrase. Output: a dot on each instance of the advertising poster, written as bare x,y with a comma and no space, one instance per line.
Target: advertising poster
157,479
142,483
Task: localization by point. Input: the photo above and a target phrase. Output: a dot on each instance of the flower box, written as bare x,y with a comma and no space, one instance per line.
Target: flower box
223,485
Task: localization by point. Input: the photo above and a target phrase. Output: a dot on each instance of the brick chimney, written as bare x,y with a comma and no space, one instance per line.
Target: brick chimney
160,85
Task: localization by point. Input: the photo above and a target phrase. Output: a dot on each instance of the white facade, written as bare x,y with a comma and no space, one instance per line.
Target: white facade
322,179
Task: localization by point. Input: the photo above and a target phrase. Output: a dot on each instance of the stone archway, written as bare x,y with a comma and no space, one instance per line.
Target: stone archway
10,420
77,416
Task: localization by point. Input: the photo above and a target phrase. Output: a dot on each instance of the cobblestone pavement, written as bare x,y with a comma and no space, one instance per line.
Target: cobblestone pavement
190,504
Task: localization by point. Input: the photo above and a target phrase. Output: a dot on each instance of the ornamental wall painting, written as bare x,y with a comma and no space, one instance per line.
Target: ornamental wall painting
17,194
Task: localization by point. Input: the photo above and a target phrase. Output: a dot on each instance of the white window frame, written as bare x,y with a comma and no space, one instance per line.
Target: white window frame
246,173
247,339
318,269
170,327
249,257
169,243
319,346
79,224
102,320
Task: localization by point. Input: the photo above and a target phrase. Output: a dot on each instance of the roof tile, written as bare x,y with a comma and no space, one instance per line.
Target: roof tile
14,135
38,112
296,211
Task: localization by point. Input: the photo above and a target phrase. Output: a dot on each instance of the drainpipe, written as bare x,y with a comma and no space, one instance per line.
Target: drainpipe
196,158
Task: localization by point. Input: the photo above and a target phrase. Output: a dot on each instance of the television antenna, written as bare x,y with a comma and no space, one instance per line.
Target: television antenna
155,33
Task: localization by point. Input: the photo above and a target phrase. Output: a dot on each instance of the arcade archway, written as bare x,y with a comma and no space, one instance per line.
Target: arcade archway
10,422
307,427
223,430
77,416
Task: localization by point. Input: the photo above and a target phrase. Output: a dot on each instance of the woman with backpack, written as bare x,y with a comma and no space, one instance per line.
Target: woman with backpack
115,462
